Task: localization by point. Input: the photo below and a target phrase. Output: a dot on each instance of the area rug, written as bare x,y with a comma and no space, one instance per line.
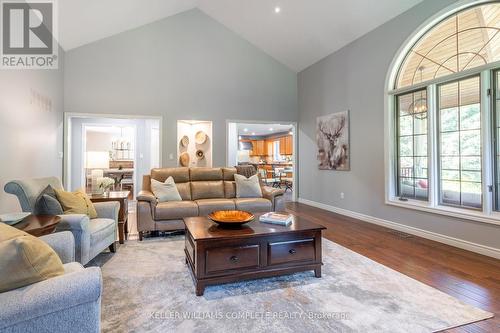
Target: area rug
147,287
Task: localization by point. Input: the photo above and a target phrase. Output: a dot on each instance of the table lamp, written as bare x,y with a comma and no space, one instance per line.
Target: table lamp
97,161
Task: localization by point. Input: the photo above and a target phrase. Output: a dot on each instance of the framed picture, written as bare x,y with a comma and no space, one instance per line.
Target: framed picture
332,137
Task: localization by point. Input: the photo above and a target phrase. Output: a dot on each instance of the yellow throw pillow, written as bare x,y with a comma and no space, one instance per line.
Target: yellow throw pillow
76,203
25,259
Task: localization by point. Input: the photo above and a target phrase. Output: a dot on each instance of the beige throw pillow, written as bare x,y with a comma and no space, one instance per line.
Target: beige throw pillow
166,191
25,259
76,202
247,187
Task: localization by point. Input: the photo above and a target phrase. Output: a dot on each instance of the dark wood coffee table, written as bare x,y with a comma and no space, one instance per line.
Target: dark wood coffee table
217,255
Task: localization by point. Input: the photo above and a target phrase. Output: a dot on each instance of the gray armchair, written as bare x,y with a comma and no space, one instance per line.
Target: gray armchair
92,236
67,303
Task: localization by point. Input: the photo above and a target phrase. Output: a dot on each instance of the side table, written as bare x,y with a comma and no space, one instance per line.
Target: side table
38,225
122,198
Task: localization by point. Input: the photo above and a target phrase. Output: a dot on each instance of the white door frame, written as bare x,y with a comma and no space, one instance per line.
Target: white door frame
295,191
68,116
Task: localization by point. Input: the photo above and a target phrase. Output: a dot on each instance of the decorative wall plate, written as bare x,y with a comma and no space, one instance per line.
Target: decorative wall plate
200,154
184,159
200,137
185,141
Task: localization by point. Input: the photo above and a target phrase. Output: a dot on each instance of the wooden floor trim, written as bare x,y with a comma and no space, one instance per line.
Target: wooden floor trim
456,242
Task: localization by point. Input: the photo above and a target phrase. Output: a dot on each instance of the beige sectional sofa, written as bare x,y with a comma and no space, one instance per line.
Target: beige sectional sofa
202,190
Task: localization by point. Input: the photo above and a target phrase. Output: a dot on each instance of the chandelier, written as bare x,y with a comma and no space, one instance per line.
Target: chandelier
418,108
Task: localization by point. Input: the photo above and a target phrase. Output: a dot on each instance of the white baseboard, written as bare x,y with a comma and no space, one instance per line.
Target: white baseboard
456,242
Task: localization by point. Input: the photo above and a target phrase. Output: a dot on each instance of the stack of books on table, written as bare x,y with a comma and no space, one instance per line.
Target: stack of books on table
275,218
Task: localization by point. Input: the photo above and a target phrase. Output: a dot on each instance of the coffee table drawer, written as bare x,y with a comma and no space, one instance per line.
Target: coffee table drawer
288,251
228,258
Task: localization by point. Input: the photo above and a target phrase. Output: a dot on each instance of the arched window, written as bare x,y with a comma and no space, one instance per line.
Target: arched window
445,107
465,40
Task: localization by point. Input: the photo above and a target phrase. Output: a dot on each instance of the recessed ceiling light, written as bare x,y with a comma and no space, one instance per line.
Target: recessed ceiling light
271,129
277,9
245,130
253,133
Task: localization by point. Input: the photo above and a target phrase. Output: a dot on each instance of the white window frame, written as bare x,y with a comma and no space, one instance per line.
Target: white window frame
487,214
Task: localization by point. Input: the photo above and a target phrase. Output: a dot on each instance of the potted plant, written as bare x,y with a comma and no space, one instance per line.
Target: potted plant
105,184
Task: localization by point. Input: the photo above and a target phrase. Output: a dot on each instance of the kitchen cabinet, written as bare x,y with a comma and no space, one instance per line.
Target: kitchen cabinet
259,148
286,145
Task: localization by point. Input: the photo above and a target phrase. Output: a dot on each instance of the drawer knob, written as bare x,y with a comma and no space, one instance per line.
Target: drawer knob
292,251
234,259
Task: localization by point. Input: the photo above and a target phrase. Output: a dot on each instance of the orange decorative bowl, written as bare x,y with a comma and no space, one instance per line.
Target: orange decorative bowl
231,218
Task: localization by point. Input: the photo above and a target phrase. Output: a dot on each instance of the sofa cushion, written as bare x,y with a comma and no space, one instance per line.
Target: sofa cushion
47,203
184,190
230,189
207,189
175,210
166,191
197,174
253,205
206,206
248,187
76,203
228,173
25,259
100,229
180,175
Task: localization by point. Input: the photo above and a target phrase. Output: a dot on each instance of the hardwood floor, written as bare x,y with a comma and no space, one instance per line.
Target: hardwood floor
470,277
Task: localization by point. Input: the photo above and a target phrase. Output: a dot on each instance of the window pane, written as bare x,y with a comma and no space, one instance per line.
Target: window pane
460,143
449,120
471,163
470,117
412,145
406,125
420,142
470,143
450,144
406,146
421,167
420,125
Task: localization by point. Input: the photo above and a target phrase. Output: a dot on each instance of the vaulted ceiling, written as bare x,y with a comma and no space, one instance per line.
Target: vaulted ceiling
300,34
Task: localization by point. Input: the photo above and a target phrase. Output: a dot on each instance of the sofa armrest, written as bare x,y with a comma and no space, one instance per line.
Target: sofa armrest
271,192
24,307
72,222
147,196
63,243
107,210
275,195
78,224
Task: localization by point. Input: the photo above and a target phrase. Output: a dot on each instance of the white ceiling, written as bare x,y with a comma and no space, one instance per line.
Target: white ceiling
85,21
262,129
300,35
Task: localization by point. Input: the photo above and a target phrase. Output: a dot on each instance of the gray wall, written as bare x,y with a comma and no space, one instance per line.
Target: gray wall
353,78
30,133
186,66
